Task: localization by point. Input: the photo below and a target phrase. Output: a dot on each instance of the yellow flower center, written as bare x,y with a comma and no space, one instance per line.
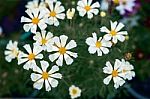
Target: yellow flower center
87,8
52,14
44,41
116,1
74,91
35,20
45,75
98,44
31,56
62,50
114,73
113,32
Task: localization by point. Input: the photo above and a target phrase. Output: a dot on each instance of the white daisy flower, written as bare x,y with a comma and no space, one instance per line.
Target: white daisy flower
54,12
98,45
12,51
115,34
43,39
70,13
30,57
86,7
74,92
125,5
36,20
62,50
127,70
115,73
42,75
35,4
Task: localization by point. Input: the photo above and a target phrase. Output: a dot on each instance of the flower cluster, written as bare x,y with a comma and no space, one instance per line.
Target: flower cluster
121,71
50,12
58,48
102,44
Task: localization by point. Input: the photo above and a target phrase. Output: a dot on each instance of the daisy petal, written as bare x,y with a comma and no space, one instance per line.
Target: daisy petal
24,19
53,57
37,49
90,15
53,82
34,28
35,12
95,11
90,2
28,48
27,27
110,69
119,27
123,33
8,59
35,77
80,3
47,85
59,62
56,75
113,25
42,25
95,5
107,37
71,44
39,84
61,16
115,40
99,52
117,64
39,56
37,69
56,22
92,50
57,41
68,59
44,65
105,50
121,38
104,29
20,61
53,69
75,55
107,80
63,40
90,41
29,12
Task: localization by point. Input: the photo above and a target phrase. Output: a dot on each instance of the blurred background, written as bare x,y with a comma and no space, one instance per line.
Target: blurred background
15,81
